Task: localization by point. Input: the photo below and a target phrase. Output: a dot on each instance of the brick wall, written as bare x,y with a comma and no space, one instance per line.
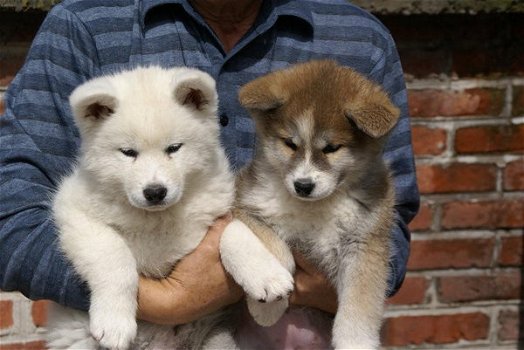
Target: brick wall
466,98
465,76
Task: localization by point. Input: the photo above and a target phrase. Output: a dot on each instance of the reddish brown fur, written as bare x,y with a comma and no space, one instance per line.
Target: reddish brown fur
292,91
346,109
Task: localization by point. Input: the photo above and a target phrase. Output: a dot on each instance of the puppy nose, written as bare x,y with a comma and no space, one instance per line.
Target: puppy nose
304,187
155,193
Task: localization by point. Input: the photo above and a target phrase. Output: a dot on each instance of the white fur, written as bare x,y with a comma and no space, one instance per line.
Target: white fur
253,259
107,229
319,185
257,271
317,223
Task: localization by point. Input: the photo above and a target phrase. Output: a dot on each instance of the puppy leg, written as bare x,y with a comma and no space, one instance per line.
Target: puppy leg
68,329
102,258
252,266
361,286
269,238
220,338
268,313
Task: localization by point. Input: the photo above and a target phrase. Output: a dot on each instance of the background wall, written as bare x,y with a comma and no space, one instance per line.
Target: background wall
464,65
466,97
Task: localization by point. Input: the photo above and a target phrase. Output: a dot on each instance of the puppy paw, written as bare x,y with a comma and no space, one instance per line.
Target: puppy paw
267,314
271,282
113,331
356,346
355,343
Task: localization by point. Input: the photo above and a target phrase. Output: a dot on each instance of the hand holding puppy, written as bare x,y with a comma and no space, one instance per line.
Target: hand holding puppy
312,288
197,286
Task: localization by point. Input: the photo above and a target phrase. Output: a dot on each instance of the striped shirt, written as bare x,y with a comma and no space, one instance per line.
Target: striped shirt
81,39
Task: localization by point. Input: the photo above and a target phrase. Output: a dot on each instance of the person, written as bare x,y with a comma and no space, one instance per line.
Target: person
235,42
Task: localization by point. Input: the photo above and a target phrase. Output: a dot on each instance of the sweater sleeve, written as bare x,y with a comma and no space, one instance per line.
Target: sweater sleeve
38,143
398,154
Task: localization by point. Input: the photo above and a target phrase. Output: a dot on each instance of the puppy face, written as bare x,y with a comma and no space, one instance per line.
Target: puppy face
146,132
318,125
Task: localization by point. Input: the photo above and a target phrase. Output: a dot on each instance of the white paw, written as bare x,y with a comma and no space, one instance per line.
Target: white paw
357,346
267,314
354,344
112,330
354,332
270,281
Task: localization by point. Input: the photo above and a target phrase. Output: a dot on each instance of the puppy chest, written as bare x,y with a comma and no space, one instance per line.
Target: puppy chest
319,241
321,225
322,238
157,252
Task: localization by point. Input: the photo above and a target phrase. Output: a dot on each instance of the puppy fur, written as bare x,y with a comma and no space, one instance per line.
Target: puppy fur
318,184
150,179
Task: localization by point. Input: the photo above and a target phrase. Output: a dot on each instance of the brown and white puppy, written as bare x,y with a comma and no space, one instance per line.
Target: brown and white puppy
318,184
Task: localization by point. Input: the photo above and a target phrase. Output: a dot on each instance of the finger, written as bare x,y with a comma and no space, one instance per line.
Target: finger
227,216
297,295
293,299
224,219
215,231
303,263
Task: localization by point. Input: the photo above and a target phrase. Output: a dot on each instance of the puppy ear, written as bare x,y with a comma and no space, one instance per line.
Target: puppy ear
262,94
195,89
92,102
376,120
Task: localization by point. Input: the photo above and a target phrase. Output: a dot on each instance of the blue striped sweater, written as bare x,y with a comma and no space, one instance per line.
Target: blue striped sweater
81,39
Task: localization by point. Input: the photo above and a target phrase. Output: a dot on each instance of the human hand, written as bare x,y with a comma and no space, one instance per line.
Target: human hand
312,288
197,286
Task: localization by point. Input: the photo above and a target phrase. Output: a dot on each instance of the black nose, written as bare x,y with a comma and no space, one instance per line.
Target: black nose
155,193
304,187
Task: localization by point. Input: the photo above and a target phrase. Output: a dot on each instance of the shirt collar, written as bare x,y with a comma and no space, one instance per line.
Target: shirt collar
298,9
147,5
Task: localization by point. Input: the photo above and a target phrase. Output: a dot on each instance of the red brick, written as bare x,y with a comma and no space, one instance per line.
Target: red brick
511,251
518,100
39,312
422,63
514,176
6,314
429,141
439,329
450,253
424,34
422,222
413,291
34,345
9,67
490,139
475,62
510,327
457,177
432,103
485,214
517,64
502,286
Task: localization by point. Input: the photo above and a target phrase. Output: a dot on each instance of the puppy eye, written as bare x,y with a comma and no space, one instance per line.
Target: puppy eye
289,142
331,148
173,148
129,152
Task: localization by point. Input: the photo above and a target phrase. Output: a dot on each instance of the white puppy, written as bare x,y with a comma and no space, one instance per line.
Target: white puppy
150,179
